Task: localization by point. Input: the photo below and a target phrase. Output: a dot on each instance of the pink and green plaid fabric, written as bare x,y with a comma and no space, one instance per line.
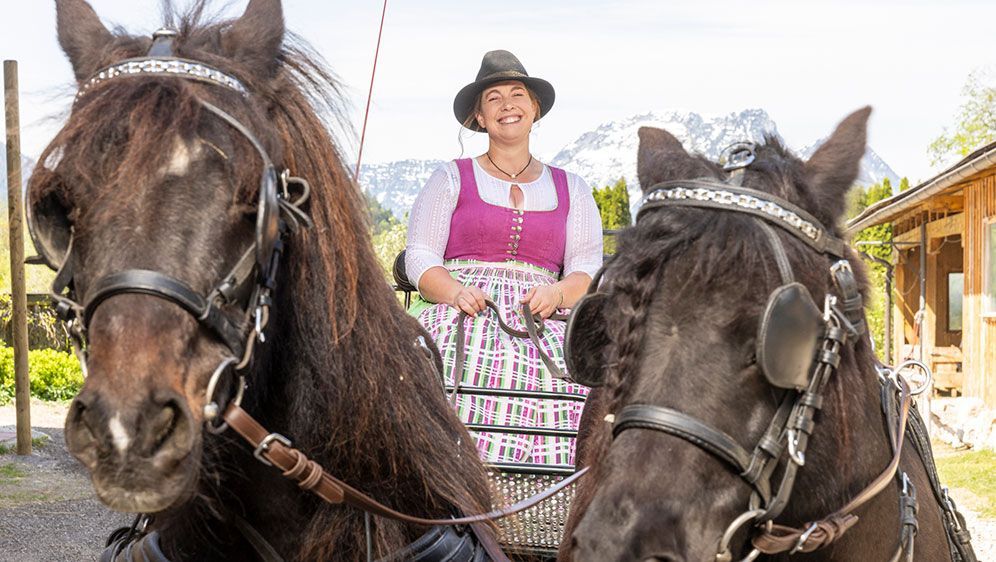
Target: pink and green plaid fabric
499,361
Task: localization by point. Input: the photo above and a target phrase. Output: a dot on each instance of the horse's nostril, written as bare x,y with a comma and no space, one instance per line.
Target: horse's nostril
81,434
164,424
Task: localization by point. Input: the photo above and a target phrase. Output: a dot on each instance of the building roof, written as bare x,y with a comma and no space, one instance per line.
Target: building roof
889,209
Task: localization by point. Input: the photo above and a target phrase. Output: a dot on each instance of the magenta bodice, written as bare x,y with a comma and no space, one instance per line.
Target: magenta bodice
485,232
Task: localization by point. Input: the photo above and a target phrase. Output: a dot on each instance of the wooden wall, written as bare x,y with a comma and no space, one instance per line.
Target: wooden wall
979,333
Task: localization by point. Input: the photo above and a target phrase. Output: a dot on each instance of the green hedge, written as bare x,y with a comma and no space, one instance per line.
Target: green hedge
55,375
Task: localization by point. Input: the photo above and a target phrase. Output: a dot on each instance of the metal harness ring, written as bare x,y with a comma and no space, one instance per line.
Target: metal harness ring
212,410
724,554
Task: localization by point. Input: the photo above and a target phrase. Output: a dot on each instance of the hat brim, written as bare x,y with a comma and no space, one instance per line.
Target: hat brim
466,98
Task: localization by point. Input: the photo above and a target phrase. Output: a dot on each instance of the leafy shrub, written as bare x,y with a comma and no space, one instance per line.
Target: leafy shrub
54,375
44,328
6,374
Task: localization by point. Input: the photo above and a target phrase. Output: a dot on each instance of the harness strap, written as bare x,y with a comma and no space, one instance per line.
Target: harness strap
673,422
782,538
156,284
781,258
276,450
959,539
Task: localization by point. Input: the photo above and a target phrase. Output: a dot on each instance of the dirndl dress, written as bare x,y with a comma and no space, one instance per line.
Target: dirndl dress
496,360
528,437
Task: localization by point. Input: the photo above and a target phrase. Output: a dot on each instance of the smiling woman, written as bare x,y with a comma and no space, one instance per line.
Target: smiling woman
505,228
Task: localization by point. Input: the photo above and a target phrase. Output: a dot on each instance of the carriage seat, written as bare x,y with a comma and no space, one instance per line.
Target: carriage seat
401,281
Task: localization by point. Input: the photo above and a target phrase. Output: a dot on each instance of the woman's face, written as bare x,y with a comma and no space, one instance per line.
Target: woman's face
507,110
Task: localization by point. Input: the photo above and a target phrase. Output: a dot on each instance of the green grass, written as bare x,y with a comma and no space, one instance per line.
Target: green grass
10,471
36,443
974,471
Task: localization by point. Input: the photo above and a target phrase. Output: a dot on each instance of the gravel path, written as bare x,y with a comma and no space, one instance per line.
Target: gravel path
48,510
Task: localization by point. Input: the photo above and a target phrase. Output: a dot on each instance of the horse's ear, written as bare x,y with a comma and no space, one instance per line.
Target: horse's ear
82,36
661,157
834,167
255,38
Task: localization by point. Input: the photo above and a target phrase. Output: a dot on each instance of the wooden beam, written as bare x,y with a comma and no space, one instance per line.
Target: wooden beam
948,226
908,237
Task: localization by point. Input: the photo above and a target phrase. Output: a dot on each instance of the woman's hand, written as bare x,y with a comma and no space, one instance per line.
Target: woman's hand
544,300
469,299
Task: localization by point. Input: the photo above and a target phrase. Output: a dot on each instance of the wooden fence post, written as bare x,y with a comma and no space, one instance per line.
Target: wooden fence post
19,306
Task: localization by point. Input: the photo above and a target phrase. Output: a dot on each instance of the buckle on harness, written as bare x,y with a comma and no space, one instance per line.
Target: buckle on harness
802,539
264,446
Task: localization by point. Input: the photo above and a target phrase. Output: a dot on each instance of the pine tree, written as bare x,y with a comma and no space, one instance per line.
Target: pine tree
613,207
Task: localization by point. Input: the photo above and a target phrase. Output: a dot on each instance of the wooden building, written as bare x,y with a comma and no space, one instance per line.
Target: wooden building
944,257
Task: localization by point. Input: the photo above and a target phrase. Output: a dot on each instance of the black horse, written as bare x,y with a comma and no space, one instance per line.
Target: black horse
161,200
674,332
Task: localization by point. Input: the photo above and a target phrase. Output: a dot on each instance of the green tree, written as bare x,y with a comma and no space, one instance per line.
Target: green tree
613,207
381,217
858,200
388,244
975,121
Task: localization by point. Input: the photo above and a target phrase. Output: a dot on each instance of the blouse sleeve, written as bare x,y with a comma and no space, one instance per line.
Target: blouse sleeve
583,251
429,223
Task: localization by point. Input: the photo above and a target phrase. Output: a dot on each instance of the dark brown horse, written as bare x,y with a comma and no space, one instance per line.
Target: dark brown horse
147,179
684,296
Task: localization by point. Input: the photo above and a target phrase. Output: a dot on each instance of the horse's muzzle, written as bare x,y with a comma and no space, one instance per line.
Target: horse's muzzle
138,450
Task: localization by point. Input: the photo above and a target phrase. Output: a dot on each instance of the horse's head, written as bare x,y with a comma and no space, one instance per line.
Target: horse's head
679,317
144,177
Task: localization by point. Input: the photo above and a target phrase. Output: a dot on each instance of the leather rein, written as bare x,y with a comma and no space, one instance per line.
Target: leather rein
534,329
248,286
788,432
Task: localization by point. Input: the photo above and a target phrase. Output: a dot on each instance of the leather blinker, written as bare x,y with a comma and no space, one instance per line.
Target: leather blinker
585,341
788,335
267,218
50,229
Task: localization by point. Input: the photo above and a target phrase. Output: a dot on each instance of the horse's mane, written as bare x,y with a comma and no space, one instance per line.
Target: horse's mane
360,396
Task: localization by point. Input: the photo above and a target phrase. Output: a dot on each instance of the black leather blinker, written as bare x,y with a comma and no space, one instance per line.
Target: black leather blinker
788,335
585,341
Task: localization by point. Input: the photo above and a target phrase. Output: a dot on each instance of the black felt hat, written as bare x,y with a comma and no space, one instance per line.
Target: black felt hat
499,66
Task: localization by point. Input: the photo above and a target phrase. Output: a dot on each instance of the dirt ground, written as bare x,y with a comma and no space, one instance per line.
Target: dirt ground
48,510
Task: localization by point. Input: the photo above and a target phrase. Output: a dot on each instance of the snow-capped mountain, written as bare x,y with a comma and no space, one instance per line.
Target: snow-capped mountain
395,184
608,152
27,164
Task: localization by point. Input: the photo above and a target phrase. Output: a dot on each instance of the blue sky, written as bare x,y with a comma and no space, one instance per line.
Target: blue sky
808,63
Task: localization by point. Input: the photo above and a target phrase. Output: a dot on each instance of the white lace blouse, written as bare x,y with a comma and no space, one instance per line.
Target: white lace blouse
429,224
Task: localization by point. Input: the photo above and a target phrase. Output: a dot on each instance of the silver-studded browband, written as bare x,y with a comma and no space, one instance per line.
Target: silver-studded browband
163,66
717,195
